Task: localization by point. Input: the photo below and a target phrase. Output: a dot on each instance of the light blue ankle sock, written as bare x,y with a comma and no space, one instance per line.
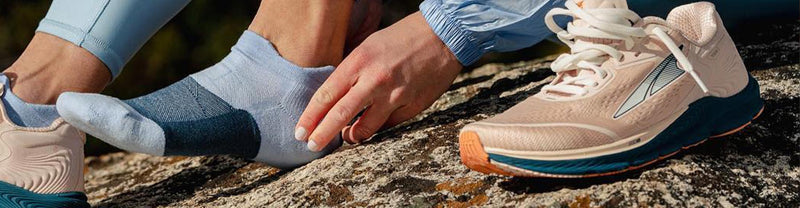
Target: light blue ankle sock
26,114
246,105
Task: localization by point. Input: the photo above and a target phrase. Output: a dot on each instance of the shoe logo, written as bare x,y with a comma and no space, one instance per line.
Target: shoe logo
664,74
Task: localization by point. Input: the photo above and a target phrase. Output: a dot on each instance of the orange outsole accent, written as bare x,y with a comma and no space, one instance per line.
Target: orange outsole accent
473,155
475,158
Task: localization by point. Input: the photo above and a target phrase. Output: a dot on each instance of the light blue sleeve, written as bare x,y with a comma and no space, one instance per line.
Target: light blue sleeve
472,28
112,30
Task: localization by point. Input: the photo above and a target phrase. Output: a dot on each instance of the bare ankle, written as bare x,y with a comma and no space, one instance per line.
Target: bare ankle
50,66
309,33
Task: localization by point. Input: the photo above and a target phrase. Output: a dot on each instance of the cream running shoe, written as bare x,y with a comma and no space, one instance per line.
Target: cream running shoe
632,91
40,167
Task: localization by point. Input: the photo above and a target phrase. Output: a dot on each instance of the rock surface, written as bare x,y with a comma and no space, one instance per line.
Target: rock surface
417,164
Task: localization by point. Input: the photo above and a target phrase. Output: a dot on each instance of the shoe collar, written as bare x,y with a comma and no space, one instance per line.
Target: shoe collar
6,121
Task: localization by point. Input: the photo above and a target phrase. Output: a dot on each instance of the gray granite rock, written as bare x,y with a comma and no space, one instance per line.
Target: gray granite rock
417,163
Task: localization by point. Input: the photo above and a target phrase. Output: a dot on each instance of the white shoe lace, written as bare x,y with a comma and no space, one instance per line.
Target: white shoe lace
600,23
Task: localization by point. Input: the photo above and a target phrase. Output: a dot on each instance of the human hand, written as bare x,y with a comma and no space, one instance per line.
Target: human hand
394,74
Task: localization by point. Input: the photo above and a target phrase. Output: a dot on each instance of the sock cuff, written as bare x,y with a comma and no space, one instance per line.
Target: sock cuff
23,113
11,97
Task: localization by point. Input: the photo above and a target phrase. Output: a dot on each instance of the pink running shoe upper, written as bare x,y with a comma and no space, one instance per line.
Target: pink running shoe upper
45,160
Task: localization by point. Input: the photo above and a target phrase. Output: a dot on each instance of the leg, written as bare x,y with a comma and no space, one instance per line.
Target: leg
307,33
245,105
50,66
39,145
79,46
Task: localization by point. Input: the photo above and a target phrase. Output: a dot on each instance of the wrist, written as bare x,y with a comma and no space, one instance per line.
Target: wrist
461,43
445,54
427,42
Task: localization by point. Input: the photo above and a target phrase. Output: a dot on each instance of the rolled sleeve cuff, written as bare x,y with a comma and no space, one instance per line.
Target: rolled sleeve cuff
461,42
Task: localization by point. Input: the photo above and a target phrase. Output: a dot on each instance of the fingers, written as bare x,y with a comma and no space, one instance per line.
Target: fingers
339,116
401,115
375,119
321,102
345,138
370,122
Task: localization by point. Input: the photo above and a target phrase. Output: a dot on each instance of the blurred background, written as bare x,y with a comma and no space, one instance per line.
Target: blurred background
204,31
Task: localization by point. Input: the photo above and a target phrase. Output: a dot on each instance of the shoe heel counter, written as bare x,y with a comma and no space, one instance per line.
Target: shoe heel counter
724,72
76,143
44,162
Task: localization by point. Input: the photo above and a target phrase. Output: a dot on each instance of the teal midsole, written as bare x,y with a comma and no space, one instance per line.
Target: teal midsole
13,196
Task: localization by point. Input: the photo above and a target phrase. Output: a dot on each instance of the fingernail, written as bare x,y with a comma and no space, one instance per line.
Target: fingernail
300,133
312,146
345,135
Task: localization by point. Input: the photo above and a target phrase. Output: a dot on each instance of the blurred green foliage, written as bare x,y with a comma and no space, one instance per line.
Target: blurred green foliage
17,21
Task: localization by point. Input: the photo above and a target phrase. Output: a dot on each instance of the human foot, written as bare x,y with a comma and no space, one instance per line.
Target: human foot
633,91
245,105
40,166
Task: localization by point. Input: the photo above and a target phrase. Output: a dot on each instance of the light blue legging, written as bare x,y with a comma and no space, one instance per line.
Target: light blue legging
112,30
